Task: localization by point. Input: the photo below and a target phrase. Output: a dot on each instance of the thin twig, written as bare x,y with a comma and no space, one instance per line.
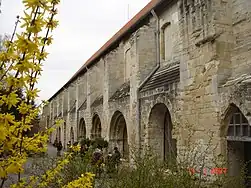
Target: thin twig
24,54
42,50
2,183
12,38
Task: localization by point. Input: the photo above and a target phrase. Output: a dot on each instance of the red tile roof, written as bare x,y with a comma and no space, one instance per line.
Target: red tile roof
117,37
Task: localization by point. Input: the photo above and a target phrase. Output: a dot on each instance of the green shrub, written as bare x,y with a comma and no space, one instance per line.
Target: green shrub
100,142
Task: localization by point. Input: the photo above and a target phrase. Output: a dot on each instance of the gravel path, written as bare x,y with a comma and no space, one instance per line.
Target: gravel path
52,151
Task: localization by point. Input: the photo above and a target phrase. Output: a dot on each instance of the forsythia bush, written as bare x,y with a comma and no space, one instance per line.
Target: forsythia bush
20,66
84,181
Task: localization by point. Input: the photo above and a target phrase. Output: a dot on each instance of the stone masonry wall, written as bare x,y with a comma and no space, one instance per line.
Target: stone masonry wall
94,92
146,49
82,91
211,40
236,88
215,53
171,17
241,29
115,66
107,77
199,65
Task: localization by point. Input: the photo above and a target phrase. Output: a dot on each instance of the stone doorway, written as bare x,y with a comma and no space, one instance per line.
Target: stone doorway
238,144
82,129
160,132
118,134
96,127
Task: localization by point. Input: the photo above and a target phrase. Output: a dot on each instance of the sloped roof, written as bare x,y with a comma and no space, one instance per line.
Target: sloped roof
163,77
83,105
98,101
122,92
127,28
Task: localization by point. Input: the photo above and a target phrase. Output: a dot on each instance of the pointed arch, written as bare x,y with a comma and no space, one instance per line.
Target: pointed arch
160,132
96,127
118,133
82,129
235,125
237,143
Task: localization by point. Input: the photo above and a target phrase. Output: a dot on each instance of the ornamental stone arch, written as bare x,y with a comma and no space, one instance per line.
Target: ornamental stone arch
162,99
96,127
118,133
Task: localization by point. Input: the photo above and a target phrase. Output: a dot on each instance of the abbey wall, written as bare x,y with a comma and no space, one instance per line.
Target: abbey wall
185,66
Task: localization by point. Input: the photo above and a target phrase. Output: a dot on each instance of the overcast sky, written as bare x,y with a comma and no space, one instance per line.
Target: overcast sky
85,25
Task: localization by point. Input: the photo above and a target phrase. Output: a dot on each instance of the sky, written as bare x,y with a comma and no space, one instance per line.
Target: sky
84,26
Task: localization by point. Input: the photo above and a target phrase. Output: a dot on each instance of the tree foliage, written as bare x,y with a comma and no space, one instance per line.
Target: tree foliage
20,66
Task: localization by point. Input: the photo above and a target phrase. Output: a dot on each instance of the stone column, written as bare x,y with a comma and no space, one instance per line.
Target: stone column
132,126
106,112
76,111
88,106
68,127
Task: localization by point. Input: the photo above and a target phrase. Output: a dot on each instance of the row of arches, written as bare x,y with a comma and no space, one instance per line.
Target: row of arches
159,131
236,132
62,138
118,131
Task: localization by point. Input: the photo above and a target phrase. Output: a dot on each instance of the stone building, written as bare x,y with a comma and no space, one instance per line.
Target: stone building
178,65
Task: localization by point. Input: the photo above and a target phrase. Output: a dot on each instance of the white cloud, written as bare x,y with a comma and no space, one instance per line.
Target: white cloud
84,27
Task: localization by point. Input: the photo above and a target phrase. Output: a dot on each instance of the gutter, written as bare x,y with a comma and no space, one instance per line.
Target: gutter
157,37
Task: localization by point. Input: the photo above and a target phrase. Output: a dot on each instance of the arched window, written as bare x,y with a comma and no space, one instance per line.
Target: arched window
238,125
238,137
166,42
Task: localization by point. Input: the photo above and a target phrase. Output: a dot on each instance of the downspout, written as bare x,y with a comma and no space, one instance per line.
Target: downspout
157,41
77,110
